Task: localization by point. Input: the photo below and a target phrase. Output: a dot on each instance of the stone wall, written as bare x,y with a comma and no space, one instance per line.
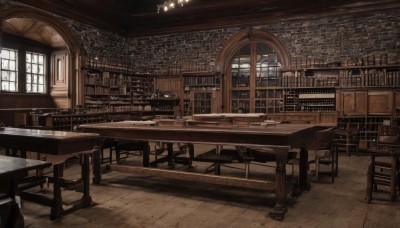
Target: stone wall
331,39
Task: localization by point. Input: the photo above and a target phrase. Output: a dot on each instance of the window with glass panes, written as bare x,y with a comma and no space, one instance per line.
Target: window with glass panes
9,70
255,80
35,73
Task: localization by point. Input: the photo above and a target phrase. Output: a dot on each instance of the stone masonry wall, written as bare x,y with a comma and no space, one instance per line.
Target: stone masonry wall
331,39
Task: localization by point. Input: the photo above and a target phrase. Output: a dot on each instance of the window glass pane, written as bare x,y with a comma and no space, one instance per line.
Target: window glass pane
4,86
12,55
12,87
41,89
9,80
12,66
4,64
28,58
28,78
241,68
41,58
13,77
34,68
28,68
35,81
4,75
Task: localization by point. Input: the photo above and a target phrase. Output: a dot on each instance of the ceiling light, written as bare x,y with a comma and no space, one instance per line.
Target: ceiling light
170,4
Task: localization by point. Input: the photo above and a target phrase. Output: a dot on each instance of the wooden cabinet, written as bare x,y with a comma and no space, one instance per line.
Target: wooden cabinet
370,101
164,107
353,103
380,102
65,122
201,93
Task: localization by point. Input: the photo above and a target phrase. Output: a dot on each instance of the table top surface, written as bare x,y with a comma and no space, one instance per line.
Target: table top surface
13,165
279,129
48,141
244,115
50,134
294,135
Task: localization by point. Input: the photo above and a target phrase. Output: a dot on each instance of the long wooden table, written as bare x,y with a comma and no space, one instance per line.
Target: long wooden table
60,143
12,170
283,136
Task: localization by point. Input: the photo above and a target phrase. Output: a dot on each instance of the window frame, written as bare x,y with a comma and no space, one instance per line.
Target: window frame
24,45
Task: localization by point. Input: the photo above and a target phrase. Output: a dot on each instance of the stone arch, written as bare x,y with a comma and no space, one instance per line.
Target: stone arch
242,38
60,27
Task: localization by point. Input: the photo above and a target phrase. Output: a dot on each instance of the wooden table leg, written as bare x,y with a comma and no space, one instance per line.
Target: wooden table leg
56,208
86,198
96,167
304,185
146,153
170,149
280,208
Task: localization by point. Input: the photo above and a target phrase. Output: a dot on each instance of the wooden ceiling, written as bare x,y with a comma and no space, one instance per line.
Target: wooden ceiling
139,17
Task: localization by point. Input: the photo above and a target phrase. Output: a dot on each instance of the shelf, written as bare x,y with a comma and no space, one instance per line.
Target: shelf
116,90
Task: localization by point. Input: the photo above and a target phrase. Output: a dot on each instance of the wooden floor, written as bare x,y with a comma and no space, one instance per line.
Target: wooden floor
124,200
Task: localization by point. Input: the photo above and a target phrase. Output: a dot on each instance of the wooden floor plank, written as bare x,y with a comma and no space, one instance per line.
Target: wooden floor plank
125,200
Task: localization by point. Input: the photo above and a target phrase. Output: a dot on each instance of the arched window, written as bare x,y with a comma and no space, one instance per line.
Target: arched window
252,64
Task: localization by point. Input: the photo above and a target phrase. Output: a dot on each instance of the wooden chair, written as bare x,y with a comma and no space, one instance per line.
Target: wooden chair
325,152
126,147
110,144
10,214
347,139
383,168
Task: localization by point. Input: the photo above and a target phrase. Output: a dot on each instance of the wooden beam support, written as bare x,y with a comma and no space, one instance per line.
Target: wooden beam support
212,179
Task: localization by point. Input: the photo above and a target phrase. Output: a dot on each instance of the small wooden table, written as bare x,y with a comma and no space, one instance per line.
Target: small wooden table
12,170
285,136
56,143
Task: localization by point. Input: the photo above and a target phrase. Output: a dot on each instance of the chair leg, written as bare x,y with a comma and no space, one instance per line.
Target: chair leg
316,168
247,169
370,179
336,151
333,165
393,179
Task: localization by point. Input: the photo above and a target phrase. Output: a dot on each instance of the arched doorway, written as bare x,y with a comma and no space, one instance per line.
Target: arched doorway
251,62
63,80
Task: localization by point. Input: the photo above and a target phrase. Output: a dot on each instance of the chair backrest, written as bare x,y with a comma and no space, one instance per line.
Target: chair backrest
323,140
388,135
349,134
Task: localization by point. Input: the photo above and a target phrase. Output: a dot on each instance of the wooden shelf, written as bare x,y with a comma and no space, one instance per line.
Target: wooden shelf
116,91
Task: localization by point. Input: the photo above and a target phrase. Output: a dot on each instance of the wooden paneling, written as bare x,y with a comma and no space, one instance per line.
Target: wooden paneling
354,102
380,102
170,83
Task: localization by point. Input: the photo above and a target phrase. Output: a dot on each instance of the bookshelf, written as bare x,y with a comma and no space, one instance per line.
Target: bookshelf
201,92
